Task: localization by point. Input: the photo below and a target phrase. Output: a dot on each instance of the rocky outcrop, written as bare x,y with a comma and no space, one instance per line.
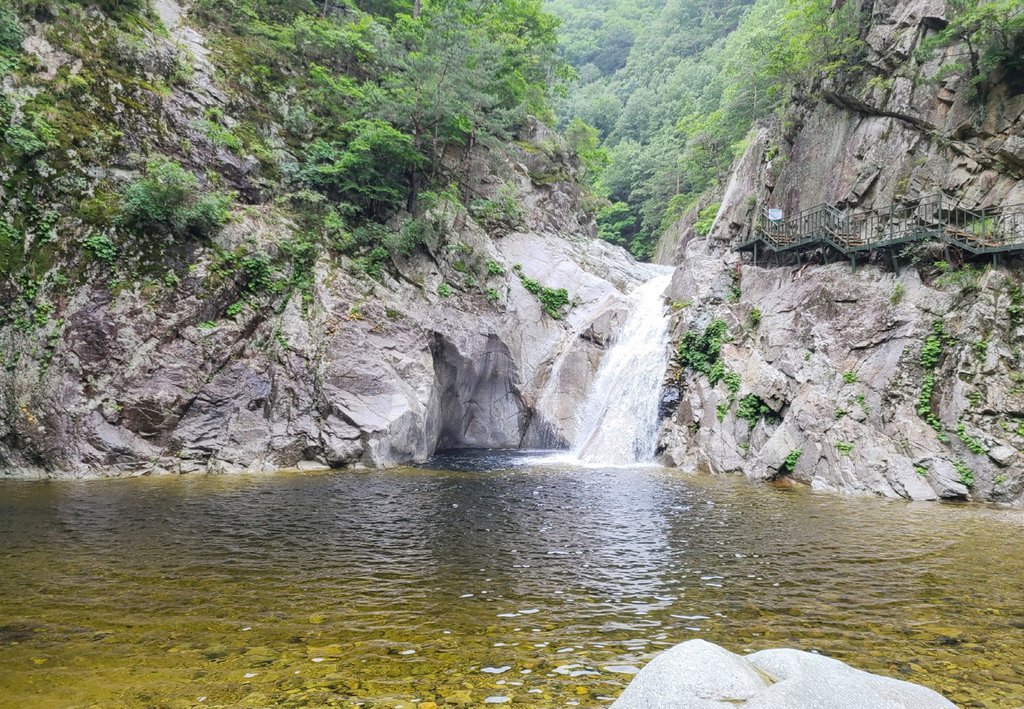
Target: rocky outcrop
835,359
363,373
899,129
829,384
699,675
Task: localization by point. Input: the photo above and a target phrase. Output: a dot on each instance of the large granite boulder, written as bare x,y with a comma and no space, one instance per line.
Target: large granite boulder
700,675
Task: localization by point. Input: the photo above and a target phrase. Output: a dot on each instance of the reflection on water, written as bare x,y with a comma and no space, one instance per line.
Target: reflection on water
544,584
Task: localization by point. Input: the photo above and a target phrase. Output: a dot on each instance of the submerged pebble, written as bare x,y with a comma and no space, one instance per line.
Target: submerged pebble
496,670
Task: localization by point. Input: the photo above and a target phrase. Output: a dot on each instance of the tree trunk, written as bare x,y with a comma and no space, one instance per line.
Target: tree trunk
414,183
417,7
414,191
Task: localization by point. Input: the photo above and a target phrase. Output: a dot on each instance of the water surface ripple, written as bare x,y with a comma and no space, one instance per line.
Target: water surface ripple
542,584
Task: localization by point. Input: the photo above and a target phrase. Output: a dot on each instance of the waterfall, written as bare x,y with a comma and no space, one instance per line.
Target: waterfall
619,421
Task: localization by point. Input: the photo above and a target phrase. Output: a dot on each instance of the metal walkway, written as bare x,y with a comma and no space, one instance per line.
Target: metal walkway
938,217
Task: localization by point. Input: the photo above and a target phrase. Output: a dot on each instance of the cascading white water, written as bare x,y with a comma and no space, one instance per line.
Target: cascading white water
619,422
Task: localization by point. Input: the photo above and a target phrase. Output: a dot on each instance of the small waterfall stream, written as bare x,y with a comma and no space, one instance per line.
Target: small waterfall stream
619,420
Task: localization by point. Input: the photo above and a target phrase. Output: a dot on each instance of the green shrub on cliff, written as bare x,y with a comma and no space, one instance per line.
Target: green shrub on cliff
897,293
585,142
965,278
552,300
972,444
500,215
752,409
368,168
11,33
964,472
706,219
789,464
991,33
101,248
931,353
932,350
32,135
168,200
701,351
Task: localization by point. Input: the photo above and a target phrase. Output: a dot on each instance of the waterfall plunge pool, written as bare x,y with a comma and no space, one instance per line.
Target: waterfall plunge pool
541,583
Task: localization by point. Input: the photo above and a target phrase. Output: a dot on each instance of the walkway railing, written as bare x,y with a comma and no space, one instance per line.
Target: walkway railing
938,217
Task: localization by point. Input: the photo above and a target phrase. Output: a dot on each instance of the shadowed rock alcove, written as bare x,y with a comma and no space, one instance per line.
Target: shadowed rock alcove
477,395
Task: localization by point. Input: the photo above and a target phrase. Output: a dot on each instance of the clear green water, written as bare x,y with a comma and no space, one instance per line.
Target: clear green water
354,588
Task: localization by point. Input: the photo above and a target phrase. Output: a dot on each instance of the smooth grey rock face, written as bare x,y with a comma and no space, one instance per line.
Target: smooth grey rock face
945,479
700,675
1002,455
479,400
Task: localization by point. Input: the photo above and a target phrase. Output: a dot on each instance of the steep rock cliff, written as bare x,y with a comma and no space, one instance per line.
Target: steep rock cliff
902,384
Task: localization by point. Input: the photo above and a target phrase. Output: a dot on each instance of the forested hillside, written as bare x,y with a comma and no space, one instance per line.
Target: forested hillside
128,134
671,87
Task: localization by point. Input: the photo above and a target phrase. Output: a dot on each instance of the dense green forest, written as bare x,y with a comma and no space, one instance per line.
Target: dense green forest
672,86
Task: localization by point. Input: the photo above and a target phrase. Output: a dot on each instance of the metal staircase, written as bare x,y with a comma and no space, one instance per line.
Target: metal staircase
938,217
